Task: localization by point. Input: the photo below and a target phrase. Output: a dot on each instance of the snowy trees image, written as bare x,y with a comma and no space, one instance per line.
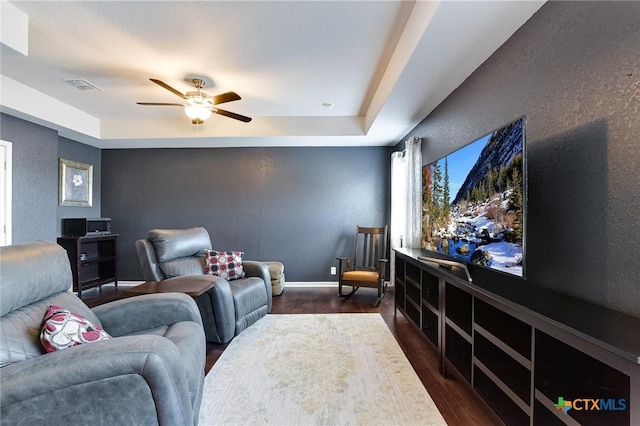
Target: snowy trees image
474,199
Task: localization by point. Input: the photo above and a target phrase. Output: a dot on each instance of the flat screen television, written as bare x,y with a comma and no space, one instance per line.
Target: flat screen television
474,200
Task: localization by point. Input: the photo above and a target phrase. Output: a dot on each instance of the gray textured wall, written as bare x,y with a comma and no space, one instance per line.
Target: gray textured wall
36,149
75,151
35,179
296,205
574,71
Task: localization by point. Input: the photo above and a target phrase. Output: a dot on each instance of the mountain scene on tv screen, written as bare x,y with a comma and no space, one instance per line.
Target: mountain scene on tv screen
473,201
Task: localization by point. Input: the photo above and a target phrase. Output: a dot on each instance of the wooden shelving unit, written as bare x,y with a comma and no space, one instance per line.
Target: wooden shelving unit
521,351
93,260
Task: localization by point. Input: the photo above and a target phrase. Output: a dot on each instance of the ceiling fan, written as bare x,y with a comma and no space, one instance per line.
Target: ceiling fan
199,105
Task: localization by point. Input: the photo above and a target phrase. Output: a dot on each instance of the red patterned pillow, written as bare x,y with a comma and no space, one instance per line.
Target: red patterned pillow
225,264
63,329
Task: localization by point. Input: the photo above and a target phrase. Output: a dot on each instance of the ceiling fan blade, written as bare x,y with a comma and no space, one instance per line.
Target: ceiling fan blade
169,88
159,103
231,115
225,97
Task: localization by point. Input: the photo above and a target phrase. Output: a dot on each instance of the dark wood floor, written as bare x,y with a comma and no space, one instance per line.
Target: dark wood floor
458,405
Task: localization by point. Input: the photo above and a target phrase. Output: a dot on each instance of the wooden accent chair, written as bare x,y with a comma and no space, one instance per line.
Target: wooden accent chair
367,266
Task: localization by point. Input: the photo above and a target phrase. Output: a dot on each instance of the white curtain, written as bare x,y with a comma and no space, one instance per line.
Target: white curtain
413,192
398,199
406,198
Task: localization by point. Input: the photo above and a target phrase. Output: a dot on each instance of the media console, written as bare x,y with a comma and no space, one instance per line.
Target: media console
536,357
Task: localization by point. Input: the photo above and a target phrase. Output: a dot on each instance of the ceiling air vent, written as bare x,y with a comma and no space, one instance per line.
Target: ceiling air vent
81,84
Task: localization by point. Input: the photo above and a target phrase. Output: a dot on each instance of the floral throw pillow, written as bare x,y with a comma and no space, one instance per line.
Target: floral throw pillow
225,264
62,329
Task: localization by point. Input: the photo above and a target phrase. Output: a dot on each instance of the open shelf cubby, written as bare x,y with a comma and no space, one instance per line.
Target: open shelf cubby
431,289
412,309
513,374
412,273
458,307
413,291
400,294
565,372
399,265
430,320
508,410
399,282
458,351
509,330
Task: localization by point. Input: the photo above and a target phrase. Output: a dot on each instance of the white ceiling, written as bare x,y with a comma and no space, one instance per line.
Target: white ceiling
383,64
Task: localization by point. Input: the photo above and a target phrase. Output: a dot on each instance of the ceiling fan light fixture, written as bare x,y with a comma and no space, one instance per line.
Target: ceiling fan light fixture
199,105
197,113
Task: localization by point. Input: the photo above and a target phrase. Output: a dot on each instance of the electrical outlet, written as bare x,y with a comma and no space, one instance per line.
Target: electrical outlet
333,270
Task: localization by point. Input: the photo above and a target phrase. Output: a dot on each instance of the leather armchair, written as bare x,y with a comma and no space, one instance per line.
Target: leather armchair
229,307
151,372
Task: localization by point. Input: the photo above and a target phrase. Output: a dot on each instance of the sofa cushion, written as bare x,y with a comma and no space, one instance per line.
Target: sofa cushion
171,244
225,264
193,265
63,329
20,329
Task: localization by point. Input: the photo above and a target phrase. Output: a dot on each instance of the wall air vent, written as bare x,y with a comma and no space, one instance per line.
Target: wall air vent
81,84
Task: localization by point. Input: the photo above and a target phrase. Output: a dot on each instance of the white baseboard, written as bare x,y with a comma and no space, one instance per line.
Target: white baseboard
311,284
316,284
286,284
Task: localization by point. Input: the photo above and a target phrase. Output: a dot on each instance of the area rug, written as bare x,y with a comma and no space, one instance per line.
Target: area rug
316,369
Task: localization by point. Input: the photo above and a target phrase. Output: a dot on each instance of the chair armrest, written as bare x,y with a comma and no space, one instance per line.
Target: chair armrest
134,314
382,268
79,377
253,268
347,261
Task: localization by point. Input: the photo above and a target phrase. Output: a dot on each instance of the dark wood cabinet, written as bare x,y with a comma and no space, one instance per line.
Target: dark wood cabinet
93,260
525,352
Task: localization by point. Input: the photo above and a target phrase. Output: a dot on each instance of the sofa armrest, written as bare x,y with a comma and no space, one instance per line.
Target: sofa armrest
134,314
148,262
219,306
253,268
99,377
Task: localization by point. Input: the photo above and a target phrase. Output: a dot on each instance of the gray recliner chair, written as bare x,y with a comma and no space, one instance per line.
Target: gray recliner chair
150,372
229,307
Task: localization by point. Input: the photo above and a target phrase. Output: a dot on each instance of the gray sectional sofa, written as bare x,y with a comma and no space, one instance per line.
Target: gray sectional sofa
150,372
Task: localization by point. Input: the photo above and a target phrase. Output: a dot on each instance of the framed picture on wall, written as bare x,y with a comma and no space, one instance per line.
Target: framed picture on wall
76,183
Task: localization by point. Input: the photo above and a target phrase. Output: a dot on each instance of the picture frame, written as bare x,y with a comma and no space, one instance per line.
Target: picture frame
76,184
